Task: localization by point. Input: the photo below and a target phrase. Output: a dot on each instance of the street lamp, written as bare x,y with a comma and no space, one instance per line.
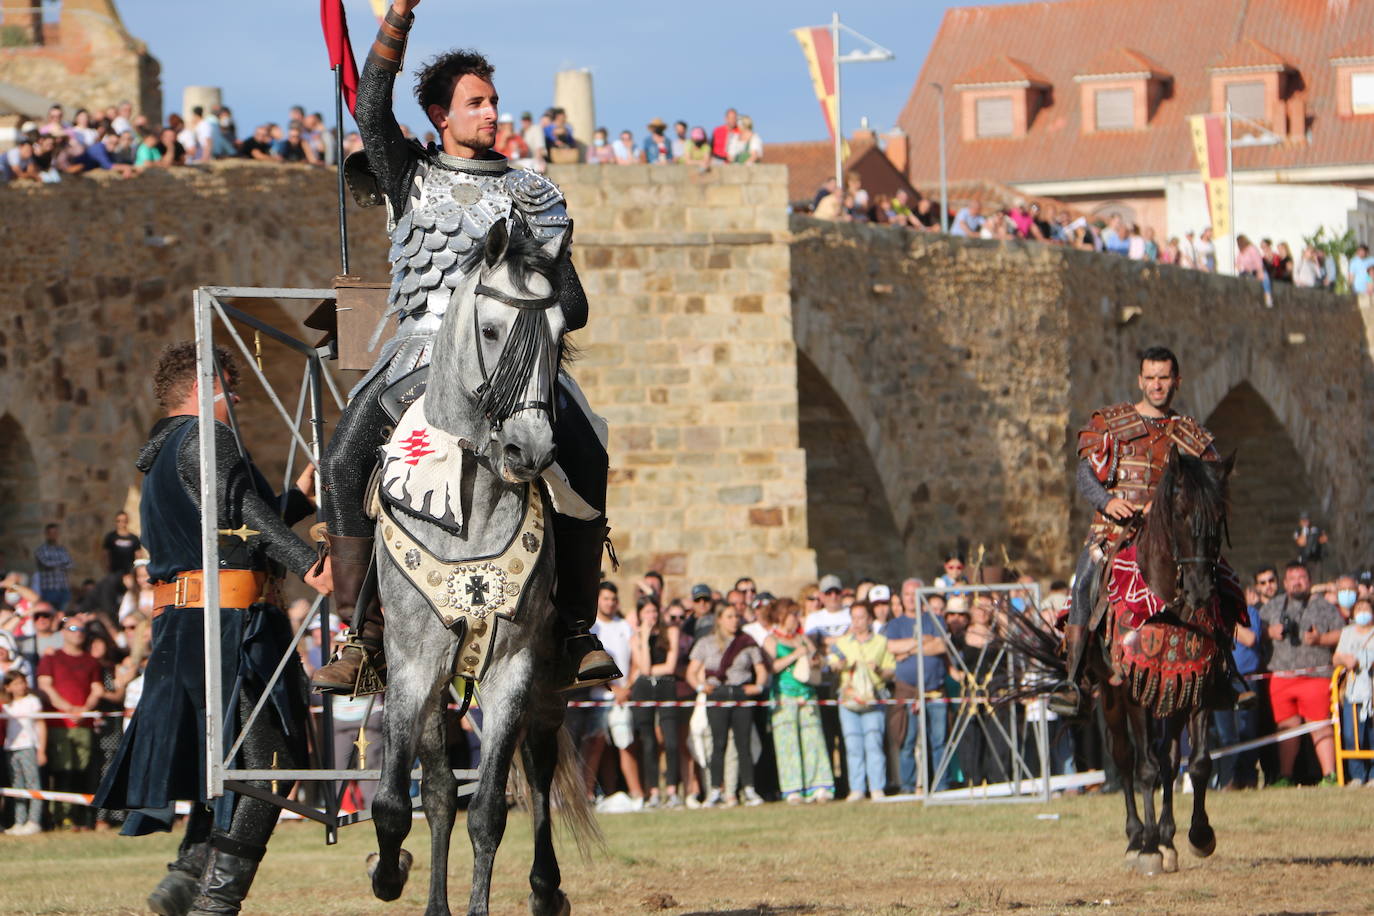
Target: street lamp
944,179
874,53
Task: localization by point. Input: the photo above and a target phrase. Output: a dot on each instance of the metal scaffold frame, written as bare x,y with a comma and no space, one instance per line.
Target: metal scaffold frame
1006,663
220,773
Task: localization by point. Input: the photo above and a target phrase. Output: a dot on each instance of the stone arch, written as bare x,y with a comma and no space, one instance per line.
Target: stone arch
849,518
1206,392
21,508
1270,487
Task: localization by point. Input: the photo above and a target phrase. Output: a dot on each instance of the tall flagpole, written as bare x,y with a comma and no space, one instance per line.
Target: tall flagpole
338,163
839,130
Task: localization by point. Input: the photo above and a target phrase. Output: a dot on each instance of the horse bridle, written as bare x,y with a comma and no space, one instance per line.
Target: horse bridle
540,304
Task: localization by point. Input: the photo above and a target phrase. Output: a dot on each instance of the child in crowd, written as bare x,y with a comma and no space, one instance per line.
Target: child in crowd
25,741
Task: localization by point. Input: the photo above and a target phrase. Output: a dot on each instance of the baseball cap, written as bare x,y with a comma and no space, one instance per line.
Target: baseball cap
701,591
830,583
1365,577
506,118
957,604
880,593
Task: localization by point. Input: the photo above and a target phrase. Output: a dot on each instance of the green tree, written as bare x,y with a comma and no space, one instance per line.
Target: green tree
1337,247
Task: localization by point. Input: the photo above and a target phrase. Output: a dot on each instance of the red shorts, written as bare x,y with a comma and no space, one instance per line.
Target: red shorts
1308,697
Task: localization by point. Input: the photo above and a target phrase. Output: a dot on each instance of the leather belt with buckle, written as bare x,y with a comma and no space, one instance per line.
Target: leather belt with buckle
237,588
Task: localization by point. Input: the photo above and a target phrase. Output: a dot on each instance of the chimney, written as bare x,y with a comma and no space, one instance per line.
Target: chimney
1295,111
895,149
864,135
24,15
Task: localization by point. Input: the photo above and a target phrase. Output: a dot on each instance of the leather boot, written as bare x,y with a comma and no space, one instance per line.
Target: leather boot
362,647
577,555
176,891
225,883
1075,649
350,558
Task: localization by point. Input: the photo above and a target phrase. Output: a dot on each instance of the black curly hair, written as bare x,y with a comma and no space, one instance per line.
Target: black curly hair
436,79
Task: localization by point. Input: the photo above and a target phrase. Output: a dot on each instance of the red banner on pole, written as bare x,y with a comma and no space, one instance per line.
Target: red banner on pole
340,50
819,47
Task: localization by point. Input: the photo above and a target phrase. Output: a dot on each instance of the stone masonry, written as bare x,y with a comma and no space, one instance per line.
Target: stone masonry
784,399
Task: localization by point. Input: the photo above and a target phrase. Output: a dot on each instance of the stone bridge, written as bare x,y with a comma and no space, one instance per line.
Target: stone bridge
786,397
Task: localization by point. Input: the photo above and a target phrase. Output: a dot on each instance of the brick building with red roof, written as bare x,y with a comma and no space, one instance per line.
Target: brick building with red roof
1088,101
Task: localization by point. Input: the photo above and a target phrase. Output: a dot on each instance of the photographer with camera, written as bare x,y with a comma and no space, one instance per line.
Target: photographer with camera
1302,630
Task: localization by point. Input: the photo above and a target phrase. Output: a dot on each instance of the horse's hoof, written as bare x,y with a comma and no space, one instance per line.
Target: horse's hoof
1170,855
388,883
1149,864
1202,844
560,907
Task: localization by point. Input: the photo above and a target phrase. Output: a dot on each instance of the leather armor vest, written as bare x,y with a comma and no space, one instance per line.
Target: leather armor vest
1130,451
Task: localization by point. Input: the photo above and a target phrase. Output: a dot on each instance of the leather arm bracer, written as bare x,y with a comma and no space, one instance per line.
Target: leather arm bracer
389,47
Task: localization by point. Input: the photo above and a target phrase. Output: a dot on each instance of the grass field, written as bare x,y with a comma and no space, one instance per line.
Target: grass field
1280,851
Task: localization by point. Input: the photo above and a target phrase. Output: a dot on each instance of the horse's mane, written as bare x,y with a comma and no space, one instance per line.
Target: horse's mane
1203,497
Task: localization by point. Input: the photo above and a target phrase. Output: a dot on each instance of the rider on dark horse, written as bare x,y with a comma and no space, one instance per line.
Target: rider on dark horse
162,754
1122,454
441,202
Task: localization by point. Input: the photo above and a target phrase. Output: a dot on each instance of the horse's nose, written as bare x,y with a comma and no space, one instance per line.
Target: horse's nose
515,457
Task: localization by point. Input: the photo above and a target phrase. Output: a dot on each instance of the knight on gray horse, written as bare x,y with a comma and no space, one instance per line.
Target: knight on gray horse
441,204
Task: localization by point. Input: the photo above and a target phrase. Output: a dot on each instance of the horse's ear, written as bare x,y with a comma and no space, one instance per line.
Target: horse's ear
558,246
498,240
1228,464
1173,455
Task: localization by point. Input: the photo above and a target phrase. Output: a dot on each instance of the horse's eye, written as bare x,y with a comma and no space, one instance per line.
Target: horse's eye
489,332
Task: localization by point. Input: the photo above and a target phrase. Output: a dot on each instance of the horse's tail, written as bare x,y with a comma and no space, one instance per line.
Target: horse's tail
567,796
1038,645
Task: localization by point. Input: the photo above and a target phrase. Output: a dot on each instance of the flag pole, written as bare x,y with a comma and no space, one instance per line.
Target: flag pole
839,131
338,163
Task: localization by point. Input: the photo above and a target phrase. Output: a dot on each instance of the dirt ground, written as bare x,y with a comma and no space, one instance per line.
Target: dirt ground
1284,851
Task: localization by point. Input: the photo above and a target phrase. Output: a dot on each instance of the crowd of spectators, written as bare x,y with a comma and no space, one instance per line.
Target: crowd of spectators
736,698
119,141
1267,262
116,140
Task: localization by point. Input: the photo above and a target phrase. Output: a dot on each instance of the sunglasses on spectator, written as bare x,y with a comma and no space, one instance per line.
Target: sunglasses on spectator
129,626
832,591
812,598
74,628
1270,581
700,599
954,566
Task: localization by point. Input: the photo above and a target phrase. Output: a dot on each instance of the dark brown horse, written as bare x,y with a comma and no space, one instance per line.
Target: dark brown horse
1159,677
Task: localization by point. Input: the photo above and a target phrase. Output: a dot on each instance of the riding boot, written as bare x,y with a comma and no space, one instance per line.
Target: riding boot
227,878
176,891
577,557
1075,648
350,558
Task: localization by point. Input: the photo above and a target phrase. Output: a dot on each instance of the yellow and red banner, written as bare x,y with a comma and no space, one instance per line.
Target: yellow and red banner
379,9
1209,143
818,45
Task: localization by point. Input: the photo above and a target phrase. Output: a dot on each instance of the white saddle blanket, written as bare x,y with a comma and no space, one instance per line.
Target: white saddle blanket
422,470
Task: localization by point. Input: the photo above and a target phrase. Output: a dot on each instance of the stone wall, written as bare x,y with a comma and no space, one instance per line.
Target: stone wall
689,355
96,275
89,60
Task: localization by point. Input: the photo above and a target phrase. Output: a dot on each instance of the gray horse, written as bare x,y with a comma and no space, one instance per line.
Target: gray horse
498,319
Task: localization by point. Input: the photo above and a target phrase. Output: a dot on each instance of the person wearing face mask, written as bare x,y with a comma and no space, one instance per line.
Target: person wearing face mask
1234,724
1302,629
442,202
600,152
1346,591
1355,653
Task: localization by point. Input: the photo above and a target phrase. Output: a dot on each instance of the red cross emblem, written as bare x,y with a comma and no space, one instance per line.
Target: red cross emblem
416,446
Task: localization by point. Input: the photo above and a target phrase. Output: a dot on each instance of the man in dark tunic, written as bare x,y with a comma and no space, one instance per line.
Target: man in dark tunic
161,759
441,203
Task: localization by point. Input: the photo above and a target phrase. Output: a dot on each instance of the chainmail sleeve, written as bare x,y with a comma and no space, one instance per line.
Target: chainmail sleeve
240,503
1090,488
571,297
390,156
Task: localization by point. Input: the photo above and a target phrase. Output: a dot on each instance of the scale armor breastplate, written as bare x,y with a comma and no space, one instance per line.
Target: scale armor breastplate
450,214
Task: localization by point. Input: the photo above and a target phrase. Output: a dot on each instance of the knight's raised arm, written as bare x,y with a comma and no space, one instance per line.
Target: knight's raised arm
391,158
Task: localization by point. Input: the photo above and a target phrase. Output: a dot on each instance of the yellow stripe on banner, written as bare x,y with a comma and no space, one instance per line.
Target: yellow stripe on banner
806,38
1199,129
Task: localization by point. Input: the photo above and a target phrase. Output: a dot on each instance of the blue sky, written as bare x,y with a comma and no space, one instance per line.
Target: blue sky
688,60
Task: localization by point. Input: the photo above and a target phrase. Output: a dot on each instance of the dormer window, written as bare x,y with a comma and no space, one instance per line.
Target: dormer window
1354,65
999,99
1255,81
1120,90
